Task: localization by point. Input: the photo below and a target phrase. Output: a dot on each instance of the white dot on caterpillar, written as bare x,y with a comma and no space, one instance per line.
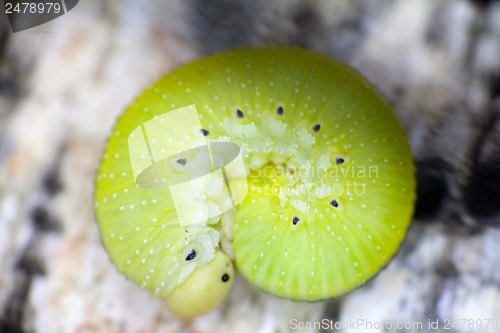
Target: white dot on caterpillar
122,208
112,235
128,262
145,241
261,254
131,206
137,252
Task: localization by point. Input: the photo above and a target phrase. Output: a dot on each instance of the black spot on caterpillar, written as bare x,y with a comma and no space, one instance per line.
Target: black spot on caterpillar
191,255
182,161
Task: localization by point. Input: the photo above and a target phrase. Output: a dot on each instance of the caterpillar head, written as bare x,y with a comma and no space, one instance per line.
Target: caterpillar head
204,289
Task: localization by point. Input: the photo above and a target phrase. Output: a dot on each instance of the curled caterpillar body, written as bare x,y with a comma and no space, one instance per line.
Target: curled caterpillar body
322,202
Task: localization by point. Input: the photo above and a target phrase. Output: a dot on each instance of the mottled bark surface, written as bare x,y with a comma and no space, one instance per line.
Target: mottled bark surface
63,85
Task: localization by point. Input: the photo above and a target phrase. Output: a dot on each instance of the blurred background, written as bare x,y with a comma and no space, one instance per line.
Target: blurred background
64,83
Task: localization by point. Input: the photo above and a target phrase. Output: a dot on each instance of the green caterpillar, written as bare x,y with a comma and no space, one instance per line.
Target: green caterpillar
329,180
